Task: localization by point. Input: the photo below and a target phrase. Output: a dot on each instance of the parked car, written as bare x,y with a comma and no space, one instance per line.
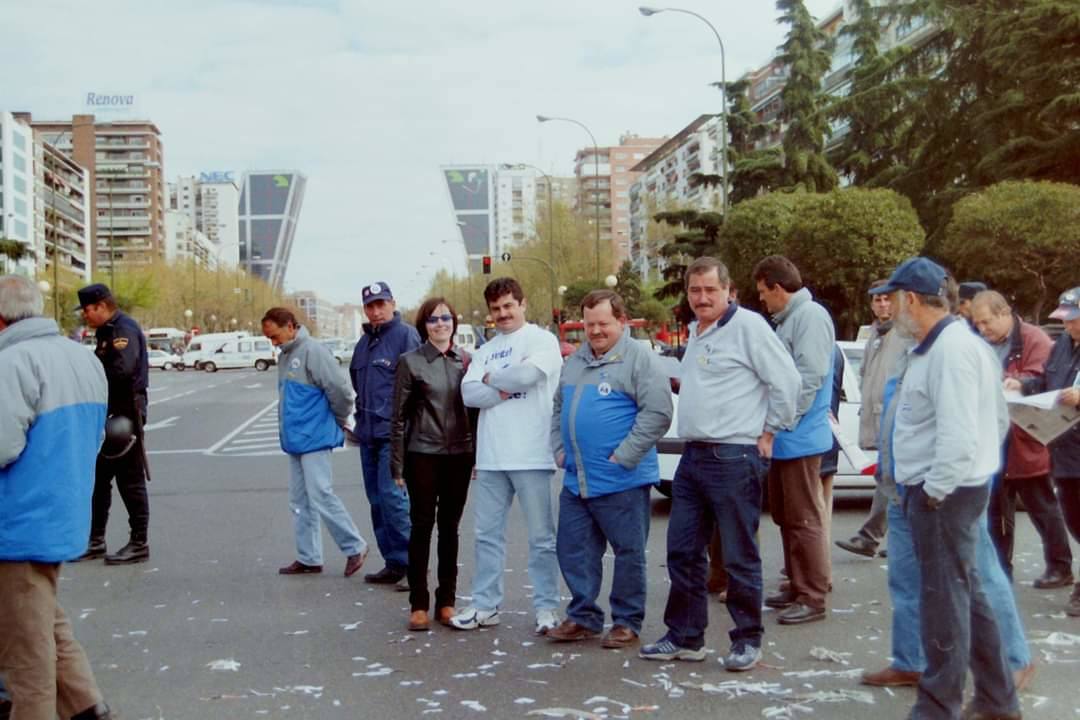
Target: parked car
202,347
163,360
340,348
847,476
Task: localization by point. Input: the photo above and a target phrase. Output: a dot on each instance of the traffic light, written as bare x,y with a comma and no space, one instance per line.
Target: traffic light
487,264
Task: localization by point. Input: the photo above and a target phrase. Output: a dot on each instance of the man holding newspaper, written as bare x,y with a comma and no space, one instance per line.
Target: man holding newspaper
1058,423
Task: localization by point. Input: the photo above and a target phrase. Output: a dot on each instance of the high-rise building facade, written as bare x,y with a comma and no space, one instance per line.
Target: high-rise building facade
665,181
185,242
471,191
124,160
212,201
604,177
515,205
269,209
61,213
17,192
320,312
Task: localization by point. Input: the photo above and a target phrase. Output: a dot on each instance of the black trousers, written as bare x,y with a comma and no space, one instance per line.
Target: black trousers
438,486
1068,494
1045,513
130,477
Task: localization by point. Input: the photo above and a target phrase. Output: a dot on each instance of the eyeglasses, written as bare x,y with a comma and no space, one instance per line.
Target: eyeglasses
440,318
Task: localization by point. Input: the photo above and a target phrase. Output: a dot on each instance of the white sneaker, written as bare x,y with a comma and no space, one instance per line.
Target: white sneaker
546,620
471,618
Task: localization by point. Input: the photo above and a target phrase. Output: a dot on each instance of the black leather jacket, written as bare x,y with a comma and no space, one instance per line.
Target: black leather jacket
429,415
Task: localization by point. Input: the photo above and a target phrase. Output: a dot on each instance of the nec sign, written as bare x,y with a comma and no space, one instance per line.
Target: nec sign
220,176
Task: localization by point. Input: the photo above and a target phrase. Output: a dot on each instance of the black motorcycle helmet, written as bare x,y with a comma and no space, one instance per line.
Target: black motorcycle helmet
119,437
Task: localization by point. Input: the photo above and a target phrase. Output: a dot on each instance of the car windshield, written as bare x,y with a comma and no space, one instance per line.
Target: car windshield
854,355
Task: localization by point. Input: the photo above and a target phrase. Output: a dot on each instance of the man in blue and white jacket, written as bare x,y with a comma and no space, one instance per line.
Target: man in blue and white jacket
612,405
54,395
315,406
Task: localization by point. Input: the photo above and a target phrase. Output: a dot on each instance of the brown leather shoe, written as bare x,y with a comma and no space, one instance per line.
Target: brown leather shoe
891,677
299,568
781,599
570,631
619,637
418,620
1022,678
444,614
355,562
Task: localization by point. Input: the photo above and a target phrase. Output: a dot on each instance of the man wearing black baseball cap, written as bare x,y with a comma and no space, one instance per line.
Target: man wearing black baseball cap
121,348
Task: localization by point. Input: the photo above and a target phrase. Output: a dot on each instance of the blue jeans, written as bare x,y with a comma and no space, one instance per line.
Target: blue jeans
493,492
586,526
957,623
311,497
907,649
389,505
717,485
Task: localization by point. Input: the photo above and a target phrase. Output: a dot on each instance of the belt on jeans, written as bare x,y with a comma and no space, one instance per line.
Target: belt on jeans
701,445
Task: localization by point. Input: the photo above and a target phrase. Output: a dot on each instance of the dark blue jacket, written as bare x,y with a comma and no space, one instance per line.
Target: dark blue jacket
1062,371
373,366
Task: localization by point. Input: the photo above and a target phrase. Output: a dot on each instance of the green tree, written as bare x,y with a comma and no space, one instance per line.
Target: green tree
841,241
806,52
13,251
629,288
1020,237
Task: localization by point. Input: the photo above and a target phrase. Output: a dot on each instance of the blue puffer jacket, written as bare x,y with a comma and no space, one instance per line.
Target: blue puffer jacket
617,406
373,367
53,397
316,400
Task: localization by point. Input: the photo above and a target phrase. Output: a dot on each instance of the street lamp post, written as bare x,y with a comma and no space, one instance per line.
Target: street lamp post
596,172
648,11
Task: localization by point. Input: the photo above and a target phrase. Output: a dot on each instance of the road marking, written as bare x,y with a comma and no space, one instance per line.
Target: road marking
166,423
243,426
199,451
252,387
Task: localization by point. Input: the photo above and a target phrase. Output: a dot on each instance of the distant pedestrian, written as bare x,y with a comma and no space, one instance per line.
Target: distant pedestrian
513,380
737,387
796,495
880,355
966,293
432,453
54,397
121,348
314,409
949,425
1023,349
1062,372
612,405
374,364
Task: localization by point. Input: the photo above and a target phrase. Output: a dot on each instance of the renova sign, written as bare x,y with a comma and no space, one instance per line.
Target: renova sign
217,176
105,103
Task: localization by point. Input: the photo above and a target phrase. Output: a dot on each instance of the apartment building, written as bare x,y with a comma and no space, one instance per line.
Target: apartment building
604,176
322,316
212,201
124,160
184,242
665,180
62,219
17,173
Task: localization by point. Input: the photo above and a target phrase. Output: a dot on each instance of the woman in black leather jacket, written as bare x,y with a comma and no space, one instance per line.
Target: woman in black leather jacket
432,453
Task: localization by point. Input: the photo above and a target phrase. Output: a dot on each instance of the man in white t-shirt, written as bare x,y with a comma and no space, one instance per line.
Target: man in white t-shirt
512,379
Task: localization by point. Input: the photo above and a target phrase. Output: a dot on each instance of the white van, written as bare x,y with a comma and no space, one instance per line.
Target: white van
465,337
202,347
245,352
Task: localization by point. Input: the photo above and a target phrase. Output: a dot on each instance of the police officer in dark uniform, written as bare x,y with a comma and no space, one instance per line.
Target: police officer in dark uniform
121,347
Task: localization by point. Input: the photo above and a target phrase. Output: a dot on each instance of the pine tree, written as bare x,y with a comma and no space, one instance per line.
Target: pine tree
807,55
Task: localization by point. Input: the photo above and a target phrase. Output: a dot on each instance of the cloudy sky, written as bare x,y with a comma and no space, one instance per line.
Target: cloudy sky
368,98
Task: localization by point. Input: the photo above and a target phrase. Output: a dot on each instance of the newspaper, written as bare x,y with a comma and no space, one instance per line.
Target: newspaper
855,455
1040,416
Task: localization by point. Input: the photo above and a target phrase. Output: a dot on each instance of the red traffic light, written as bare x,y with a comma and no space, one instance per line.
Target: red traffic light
487,264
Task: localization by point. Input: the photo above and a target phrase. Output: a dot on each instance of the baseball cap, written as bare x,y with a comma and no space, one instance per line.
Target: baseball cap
1068,305
93,294
968,290
376,291
918,274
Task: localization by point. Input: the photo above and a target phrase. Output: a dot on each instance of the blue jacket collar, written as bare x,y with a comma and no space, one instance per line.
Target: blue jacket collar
370,329
928,341
615,354
800,296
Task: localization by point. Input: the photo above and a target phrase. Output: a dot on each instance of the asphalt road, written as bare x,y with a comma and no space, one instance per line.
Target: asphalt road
208,629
